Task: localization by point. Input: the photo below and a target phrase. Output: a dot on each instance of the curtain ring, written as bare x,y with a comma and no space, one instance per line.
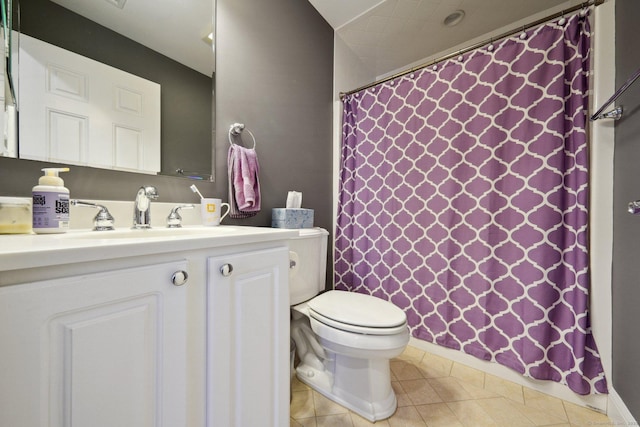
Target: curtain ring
523,34
562,21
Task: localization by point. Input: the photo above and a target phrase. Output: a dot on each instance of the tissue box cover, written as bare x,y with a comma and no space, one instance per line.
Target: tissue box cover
291,218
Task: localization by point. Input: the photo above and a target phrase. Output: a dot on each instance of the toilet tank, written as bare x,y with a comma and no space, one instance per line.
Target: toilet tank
308,264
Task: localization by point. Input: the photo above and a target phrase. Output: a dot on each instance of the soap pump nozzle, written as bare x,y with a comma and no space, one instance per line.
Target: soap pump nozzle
51,176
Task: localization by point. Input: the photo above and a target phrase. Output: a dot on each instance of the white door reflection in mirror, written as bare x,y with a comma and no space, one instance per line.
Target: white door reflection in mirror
85,112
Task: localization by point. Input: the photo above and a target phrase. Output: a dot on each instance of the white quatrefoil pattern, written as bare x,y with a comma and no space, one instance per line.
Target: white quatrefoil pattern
463,200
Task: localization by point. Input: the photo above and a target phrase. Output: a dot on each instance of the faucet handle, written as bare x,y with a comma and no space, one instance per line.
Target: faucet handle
174,220
103,220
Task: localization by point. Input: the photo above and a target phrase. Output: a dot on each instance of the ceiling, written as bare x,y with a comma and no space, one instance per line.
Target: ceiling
174,28
387,35
390,35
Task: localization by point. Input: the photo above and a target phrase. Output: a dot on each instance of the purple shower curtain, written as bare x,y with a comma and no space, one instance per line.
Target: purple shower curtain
463,200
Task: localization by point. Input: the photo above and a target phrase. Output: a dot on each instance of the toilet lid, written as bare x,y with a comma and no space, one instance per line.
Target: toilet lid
356,312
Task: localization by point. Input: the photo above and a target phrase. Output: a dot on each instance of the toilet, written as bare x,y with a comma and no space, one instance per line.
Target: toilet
344,340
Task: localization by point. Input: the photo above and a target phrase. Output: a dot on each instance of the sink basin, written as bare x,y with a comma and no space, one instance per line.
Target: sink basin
151,233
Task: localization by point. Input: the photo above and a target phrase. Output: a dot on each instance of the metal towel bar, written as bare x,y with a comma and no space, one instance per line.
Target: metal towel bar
617,112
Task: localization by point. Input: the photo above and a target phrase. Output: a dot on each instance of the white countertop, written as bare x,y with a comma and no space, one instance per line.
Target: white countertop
23,251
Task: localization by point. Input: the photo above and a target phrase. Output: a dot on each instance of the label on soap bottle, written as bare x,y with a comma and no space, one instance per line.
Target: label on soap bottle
50,211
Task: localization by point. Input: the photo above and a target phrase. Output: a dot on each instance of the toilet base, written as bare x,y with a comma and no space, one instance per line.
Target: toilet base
363,385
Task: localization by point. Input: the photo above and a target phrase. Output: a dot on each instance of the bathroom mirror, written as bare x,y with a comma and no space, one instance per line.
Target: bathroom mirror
169,42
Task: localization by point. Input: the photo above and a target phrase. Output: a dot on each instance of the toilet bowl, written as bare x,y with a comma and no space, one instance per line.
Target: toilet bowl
344,340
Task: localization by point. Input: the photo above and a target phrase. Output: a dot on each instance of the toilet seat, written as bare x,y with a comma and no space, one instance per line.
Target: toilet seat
357,313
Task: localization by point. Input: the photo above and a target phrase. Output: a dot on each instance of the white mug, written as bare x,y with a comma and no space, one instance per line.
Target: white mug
210,210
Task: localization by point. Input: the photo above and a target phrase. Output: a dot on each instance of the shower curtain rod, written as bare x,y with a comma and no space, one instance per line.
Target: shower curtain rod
477,45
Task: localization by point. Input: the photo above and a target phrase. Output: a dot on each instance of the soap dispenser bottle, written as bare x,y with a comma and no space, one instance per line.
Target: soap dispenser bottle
51,203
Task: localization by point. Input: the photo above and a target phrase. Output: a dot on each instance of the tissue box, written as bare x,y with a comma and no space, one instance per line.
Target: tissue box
291,218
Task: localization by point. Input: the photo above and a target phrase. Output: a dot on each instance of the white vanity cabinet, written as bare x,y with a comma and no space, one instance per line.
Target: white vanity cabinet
97,330
104,349
247,336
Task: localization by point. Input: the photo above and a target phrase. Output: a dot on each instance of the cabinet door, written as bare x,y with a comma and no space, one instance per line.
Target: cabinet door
105,349
248,339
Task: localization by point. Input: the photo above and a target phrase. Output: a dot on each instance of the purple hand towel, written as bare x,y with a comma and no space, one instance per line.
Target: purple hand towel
244,185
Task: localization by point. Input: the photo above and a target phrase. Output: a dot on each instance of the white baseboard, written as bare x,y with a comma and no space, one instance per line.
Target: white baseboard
618,411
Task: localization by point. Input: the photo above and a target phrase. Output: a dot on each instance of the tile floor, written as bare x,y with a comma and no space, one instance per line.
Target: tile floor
434,391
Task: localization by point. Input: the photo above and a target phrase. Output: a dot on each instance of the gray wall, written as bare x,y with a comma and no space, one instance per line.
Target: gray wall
274,65
626,227
274,73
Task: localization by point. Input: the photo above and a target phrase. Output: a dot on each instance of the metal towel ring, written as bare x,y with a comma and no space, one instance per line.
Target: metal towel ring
236,130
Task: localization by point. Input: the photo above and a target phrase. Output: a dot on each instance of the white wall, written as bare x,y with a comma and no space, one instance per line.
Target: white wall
601,207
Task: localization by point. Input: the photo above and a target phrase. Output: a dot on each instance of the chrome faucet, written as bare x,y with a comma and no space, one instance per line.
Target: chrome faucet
142,206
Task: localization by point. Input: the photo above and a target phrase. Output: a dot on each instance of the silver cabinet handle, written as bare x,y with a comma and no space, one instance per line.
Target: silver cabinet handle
226,270
179,278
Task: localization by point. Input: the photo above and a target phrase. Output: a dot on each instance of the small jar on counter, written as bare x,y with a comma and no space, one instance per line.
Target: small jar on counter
15,215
